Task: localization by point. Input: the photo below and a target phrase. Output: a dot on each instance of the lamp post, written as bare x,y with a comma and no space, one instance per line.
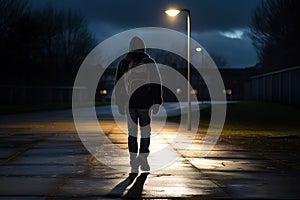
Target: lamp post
173,13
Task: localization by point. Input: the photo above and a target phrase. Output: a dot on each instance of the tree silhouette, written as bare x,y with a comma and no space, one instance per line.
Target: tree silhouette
275,32
13,16
10,13
219,60
44,47
66,40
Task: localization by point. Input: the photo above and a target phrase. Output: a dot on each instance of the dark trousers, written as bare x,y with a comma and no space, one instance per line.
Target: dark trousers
142,118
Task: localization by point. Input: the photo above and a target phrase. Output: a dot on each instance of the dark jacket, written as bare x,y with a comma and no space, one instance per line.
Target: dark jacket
154,91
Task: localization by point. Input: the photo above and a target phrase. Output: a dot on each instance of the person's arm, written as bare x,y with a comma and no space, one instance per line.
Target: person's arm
119,73
119,91
156,89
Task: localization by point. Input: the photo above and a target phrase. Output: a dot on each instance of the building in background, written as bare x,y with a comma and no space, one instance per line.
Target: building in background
282,86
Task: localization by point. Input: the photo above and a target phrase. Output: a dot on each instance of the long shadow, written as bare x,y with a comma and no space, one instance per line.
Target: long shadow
119,189
136,190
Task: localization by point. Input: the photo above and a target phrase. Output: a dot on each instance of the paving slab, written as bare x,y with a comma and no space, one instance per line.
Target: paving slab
28,186
42,170
22,198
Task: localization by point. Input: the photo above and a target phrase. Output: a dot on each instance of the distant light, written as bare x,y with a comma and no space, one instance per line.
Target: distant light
178,90
172,12
198,49
103,91
194,91
227,91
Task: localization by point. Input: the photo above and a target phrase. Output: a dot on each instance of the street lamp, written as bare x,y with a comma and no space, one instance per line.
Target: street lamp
173,13
199,49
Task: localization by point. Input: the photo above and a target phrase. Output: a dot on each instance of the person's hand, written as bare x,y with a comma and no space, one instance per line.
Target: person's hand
155,108
121,110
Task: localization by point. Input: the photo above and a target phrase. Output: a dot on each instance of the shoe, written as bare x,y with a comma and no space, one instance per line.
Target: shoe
134,164
143,162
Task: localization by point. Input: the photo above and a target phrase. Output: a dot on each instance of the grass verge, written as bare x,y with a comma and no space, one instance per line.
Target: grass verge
257,119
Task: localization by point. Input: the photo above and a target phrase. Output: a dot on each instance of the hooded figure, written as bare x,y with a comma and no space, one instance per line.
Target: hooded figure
141,87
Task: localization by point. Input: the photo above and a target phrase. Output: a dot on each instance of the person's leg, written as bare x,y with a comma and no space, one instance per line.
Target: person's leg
132,123
144,121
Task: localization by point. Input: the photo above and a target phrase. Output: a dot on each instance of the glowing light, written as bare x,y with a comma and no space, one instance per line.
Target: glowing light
198,49
227,91
172,12
103,91
193,91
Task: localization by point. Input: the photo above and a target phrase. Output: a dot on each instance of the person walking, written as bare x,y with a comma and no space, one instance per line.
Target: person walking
138,96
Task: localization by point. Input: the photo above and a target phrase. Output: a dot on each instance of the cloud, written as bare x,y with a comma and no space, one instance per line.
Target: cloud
239,53
235,34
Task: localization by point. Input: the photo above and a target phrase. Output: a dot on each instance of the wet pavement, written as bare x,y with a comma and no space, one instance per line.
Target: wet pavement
42,157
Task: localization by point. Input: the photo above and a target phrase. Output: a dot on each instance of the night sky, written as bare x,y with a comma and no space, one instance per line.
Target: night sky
221,26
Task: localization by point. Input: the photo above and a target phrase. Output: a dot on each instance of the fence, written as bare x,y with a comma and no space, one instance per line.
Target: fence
33,95
279,86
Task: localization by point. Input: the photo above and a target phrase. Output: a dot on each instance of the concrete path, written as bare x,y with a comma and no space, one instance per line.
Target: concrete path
42,157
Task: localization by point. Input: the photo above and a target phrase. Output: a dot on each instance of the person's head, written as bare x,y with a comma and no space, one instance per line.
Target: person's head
136,44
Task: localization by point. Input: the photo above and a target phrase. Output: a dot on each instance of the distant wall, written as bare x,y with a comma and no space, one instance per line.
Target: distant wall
279,86
40,95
